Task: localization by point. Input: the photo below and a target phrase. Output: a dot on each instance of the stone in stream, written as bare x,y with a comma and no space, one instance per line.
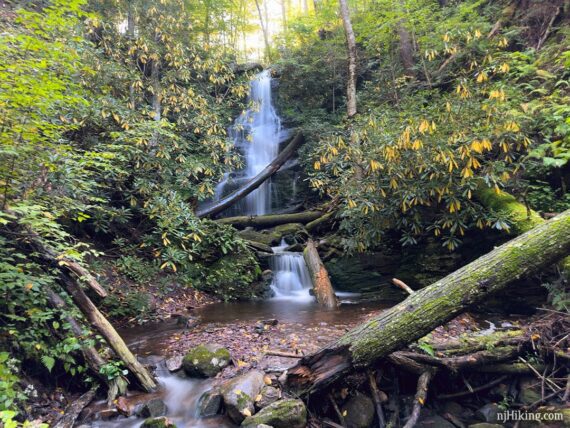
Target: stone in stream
173,364
288,413
206,360
239,394
268,395
358,411
210,403
153,408
161,422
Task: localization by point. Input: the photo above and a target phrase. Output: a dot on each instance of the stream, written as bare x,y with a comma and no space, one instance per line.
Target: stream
257,133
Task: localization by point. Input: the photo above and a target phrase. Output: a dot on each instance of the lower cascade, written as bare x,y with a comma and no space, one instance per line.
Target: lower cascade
291,280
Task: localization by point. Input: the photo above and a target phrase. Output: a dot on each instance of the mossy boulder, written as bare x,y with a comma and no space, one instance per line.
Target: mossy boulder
162,422
239,394
288,413
206,360
268,238
292,232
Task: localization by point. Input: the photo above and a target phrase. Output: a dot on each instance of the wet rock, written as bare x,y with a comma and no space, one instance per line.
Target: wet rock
161,422
485,425
267,239
358,411
206,360
488,412
295,248
528,391
107,414
280,414
239,394
174,364
210,403
152,409
433,421
264,325
268,395
123,406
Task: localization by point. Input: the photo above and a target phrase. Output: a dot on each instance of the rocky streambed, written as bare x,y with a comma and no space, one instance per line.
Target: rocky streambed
223,366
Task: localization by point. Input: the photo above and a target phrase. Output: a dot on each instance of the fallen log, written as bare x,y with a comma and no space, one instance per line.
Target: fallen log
271,220
103,326
255,182
93,359
319,277
432,306
71,413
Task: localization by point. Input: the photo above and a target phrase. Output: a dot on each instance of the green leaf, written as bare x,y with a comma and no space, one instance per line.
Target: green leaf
48,361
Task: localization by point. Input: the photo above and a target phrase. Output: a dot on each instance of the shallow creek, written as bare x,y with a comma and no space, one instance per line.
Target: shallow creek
296,316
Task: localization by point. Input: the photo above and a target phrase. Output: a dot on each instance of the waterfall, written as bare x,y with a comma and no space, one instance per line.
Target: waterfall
256,133
291,280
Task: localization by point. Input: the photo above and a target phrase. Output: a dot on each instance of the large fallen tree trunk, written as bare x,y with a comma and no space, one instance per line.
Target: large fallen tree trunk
94,360
255,182
103,326
432,306
265,221
319,277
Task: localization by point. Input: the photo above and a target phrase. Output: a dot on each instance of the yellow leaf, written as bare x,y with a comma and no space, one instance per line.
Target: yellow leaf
421,400
267,380
246,412
344,413
258,398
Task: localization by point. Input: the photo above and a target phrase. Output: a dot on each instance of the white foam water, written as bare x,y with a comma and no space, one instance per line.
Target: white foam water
291,279
257,132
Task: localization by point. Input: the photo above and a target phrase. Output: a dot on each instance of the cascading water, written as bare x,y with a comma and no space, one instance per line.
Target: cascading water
257,133
291,280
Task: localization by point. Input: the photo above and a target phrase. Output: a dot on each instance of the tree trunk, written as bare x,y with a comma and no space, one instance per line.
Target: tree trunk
351,51
94,360
67,420
319,276
432,306
103,326
256,181
266,221
265,31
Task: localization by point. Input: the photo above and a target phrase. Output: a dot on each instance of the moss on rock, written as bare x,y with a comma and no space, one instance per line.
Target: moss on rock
206,360
288,413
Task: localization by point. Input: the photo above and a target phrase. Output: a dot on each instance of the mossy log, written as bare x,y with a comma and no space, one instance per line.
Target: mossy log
286,154
521,217
266,221
104,327
319,276
434,305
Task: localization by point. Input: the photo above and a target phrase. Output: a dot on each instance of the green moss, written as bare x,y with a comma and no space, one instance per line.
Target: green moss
280,414
521,218
206,361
